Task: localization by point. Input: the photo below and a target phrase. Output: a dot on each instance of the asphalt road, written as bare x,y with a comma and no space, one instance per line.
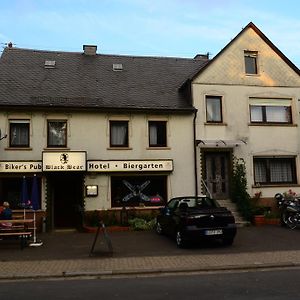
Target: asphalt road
275,285
74,245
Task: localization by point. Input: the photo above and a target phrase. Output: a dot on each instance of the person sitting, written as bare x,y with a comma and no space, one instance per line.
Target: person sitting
6,213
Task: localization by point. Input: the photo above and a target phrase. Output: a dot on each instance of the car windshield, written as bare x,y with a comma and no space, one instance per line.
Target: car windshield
198,202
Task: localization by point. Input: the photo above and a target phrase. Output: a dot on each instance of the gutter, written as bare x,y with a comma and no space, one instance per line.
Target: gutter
195,154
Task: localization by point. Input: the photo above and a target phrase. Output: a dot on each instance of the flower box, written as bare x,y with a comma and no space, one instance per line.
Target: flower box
259,220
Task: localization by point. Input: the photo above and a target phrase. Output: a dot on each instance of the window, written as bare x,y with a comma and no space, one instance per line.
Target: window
11,190
250,62
214,109
157,133
269,110
57,134
278,170
134,190
19,133
119,134
270,114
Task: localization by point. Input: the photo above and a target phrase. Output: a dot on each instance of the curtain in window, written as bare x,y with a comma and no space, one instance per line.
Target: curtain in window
153,134
280,171
19,134
260,171
119,134
213,109
256,113
278,114
57,134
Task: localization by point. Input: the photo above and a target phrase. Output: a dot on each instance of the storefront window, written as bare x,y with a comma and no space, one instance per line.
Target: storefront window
138,190
11,190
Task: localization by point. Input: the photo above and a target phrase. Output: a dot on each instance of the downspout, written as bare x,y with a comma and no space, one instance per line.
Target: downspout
195,153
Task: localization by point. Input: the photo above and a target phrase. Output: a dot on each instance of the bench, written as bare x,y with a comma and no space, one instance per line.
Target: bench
22,235
18,228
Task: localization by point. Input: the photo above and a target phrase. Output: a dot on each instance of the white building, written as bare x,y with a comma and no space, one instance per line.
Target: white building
99,131
247,101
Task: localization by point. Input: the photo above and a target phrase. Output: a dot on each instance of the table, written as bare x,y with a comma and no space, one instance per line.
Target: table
18,228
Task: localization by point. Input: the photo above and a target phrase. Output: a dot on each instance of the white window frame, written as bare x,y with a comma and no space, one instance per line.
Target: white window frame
11,137
210,118
261,111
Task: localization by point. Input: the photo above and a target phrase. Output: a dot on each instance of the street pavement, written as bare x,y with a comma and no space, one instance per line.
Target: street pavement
66,254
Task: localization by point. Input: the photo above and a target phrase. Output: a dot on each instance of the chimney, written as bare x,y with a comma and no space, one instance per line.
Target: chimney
89,50
10,45
202,56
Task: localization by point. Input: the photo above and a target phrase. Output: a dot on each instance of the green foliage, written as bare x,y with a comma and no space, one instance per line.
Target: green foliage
239,193
272,215
109,218
138,220
141,224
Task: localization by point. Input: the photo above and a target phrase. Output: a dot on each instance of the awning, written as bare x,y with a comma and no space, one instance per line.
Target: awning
220,143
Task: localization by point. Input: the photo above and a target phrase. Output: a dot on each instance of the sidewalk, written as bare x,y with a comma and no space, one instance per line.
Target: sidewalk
146,253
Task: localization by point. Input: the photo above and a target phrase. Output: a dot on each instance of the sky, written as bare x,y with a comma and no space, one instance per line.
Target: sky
172,28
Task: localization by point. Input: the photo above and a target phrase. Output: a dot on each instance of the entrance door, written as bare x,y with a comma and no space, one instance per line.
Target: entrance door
67,200
217,174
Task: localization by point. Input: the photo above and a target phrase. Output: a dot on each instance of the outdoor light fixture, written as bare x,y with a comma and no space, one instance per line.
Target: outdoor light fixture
91,190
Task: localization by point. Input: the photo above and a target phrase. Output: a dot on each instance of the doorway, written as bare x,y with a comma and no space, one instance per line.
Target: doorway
217,173
65,201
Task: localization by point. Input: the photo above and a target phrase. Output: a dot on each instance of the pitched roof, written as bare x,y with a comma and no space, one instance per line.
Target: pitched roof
81,81
263,37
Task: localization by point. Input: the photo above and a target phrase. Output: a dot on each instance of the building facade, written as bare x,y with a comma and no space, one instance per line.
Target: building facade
100,132
247,101
105,131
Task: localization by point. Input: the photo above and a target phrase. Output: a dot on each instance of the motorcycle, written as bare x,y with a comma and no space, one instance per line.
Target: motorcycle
289,210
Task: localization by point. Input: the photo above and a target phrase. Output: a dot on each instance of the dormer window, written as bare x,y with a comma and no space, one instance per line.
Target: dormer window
251,62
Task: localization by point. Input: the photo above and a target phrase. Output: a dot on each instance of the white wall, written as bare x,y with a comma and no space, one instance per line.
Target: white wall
90,132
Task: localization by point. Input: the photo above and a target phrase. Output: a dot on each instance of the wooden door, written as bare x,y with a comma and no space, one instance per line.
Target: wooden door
217,174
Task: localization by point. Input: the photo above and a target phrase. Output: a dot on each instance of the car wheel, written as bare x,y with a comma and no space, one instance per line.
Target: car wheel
228,241
180,242
158,228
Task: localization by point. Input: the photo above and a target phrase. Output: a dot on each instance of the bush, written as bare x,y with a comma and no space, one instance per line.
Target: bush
239,193
141,224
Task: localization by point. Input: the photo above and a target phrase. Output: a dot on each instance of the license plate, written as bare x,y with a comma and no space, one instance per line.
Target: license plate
213,232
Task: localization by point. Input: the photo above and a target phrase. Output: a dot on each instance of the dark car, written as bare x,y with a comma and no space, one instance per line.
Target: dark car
195,218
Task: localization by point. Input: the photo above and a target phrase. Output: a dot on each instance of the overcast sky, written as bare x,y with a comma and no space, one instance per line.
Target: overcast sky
177,28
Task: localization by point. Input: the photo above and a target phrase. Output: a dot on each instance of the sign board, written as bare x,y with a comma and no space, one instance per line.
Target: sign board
20,166
130,165
67,161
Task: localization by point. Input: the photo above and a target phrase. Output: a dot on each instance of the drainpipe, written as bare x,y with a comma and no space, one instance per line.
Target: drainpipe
195,153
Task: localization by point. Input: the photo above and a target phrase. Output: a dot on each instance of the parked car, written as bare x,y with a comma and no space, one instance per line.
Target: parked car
195,218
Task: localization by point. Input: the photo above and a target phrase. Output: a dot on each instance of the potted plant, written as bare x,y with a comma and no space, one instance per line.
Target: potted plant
259,215
272,218
258,211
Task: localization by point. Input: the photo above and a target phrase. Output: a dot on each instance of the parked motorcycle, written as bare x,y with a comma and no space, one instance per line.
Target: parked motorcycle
289,210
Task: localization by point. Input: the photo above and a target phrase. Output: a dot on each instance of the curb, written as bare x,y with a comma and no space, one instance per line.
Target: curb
151,272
